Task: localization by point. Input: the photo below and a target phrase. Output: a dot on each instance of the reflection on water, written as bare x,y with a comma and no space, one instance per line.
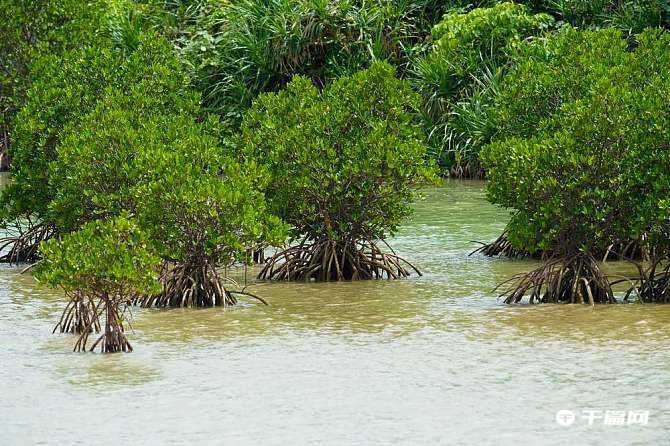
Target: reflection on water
432,359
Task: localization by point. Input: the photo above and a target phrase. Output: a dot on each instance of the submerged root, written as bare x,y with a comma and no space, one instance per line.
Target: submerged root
501,247
82,316
23,246
652,284
572,279
327,260
113,339
186,285
79,316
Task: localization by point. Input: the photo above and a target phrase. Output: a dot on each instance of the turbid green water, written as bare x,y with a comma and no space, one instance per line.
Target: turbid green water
430,360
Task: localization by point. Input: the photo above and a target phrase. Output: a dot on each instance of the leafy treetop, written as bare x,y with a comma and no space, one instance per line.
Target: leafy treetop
344,162
112,257
166,168
595,171
67,98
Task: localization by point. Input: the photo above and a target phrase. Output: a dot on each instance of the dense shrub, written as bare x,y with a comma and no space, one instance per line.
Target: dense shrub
602,130
204,211
586,165
457,78
112,257
149,156
202,222
64,90
29,30
627,15
553,71
96,151
247,47
344,164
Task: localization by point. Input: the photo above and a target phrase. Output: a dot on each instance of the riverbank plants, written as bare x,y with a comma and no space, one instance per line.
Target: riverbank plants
158,157
31,30
243,48
205,211
157,144
65,92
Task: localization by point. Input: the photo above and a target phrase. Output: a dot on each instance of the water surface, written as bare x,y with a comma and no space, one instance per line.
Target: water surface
430,360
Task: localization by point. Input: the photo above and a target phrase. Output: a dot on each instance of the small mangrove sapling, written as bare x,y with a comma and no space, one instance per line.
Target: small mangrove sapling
101,268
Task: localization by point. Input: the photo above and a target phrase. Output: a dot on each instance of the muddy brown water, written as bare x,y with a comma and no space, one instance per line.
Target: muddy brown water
430,360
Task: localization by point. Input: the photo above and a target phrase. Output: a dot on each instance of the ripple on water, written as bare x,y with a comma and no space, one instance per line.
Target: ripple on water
430,360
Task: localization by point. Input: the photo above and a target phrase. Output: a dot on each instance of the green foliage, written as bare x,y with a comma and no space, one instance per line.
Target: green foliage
66,91
146,148
344,162
197,203
586,163
149,156
627,15
457,78
248,47
30,29
112,257
178,19
175,20
63,87
482,29
539,82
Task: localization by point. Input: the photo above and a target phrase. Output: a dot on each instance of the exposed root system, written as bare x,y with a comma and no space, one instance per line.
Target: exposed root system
82,316
652,284
22,246
625,251
113,339
79,316
467,170
327,260
576,278
186,285
501,247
